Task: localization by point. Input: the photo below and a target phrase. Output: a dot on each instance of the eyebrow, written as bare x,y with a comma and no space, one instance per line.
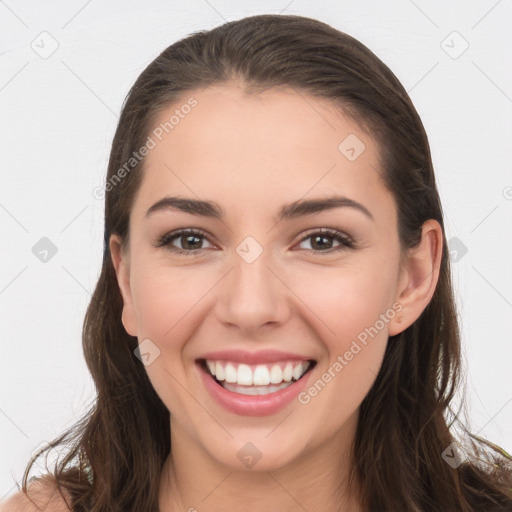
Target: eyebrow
289,211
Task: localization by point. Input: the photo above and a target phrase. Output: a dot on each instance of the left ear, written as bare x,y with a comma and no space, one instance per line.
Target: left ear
419,276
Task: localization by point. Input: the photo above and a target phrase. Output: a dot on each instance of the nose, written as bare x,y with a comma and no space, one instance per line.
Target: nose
253,295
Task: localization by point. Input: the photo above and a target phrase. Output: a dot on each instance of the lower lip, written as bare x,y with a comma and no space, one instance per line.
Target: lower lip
253,405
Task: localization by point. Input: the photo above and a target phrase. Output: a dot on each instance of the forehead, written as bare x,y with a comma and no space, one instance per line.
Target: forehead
275,146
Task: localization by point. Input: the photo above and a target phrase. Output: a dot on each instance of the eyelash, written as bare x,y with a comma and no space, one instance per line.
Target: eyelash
345,241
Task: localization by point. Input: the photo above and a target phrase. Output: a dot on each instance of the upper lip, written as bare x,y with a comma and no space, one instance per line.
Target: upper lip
258,357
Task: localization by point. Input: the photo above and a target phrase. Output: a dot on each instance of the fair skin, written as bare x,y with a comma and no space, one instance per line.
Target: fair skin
251,155
43,494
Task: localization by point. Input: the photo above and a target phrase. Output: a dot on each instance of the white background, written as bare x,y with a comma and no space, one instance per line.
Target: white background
57,120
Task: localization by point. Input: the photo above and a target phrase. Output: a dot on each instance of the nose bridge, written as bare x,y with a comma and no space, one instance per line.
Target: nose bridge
252,295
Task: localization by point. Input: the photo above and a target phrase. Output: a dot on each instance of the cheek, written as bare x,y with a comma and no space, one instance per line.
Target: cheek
165,300
169,305
353,309
347,302
341,386
163,297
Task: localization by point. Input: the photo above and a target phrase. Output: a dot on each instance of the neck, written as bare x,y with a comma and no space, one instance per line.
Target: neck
316,480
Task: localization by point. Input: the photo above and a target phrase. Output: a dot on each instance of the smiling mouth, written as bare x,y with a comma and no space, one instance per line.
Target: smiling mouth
253,380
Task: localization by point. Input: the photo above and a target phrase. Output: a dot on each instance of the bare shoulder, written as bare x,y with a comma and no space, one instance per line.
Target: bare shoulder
42,495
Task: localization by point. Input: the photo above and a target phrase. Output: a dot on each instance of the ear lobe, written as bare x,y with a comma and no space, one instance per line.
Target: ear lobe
420,275
121,265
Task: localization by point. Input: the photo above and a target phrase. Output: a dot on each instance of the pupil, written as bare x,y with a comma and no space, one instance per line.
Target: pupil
316,238
191,237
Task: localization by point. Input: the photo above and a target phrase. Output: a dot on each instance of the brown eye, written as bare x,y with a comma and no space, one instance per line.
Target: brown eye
323,240
190,241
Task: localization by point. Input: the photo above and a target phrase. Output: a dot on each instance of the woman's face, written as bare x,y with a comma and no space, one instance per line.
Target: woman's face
257,292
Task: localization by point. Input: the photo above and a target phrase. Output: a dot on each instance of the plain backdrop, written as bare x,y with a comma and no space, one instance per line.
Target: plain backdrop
65,69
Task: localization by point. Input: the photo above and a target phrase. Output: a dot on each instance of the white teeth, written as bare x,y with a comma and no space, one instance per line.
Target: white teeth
231,374
261,375
276,374
244,375
297,372
255,390
257,375
287,373
219,371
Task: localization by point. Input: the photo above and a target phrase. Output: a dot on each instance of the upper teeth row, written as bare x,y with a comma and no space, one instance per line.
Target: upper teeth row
259,375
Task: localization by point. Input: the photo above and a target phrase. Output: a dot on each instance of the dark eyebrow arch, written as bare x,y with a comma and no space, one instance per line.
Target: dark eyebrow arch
290,211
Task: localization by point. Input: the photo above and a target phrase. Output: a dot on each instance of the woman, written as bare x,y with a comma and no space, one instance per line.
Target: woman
274,325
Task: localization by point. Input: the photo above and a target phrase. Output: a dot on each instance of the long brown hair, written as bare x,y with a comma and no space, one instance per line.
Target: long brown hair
404,427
